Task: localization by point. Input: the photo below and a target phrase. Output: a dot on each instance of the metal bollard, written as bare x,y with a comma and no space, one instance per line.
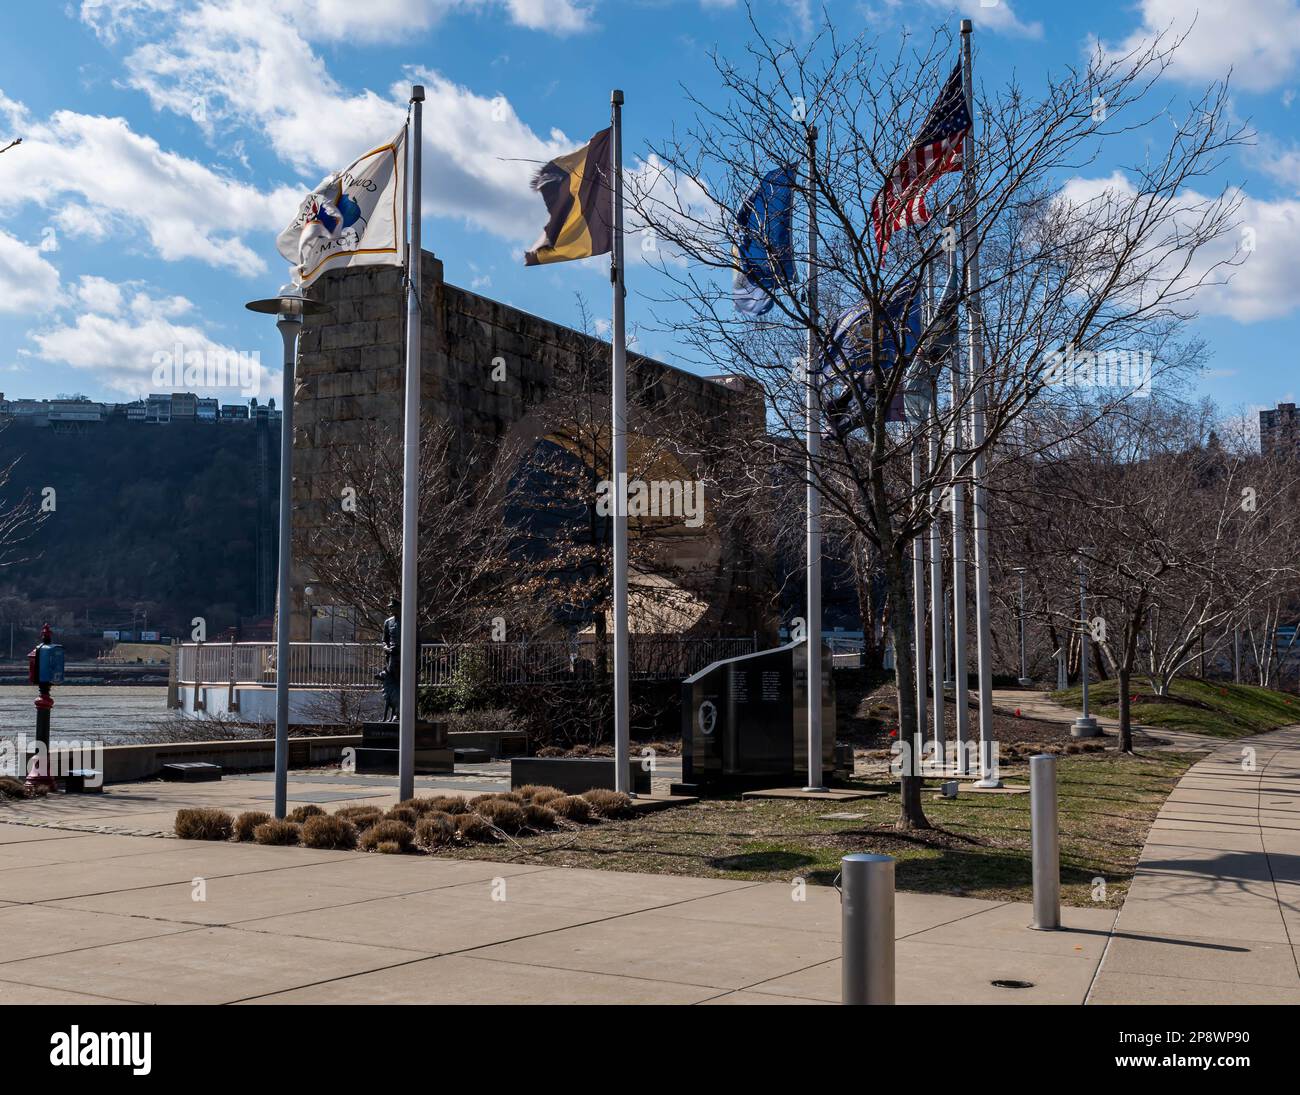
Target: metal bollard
1046,843
867,928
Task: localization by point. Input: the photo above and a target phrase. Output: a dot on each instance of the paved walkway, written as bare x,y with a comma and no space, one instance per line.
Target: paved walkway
1213,913
1034,704
88,916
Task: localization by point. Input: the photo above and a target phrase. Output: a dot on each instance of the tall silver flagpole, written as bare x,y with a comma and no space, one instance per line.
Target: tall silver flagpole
408,622
937,613
936,555
979,510
813,441
618,386
918,611
960,699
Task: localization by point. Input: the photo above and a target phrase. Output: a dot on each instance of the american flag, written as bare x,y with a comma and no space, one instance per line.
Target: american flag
936,151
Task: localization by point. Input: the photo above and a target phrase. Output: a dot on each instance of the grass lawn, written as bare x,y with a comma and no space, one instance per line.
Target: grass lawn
1198,707
978,848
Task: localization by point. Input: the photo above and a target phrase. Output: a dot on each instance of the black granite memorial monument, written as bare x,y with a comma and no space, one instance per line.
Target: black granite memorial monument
745,721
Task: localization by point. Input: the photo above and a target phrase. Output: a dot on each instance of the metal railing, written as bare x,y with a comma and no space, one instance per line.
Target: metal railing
355,665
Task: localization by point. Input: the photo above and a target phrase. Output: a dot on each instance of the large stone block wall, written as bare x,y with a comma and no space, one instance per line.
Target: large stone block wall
351,373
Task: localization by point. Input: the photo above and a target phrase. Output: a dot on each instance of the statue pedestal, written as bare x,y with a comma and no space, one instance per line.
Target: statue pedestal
378,750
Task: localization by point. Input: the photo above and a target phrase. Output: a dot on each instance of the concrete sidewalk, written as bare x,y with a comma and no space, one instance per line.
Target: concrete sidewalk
1213,913
102,916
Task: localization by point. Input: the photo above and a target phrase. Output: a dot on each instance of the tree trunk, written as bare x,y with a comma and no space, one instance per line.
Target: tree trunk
1125,714
911,814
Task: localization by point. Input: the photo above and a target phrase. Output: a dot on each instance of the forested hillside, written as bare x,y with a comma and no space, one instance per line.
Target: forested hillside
165,515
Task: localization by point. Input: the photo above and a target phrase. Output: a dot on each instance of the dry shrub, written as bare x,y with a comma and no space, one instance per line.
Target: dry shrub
448,804
544,796
529,792
278,831
249,820
609,803
404,814
421,806
572,807
389,847
539,817
387,831
323,831
435,830
361,816
204,824
505,815
12,788
302,813
496,796
474,829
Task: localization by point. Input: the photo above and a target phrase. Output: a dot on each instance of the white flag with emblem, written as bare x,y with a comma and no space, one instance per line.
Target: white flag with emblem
355,217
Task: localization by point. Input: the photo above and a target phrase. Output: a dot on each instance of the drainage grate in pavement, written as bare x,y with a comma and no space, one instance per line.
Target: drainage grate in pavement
1008,983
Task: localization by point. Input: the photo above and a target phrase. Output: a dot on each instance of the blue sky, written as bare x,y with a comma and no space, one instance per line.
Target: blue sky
166,143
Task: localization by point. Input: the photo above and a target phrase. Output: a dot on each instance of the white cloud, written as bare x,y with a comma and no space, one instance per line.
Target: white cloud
344,20
124,350
557,16
99,178
999,17
28,283
1259,40
1261,287
98,294
252,66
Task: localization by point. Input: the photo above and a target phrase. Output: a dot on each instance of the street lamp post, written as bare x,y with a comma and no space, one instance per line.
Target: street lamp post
288,308
1085,726
1025,682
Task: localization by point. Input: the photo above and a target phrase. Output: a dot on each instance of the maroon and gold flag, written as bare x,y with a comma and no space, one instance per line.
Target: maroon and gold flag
578,196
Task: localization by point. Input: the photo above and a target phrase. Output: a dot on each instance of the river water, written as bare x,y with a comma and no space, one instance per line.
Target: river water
112,714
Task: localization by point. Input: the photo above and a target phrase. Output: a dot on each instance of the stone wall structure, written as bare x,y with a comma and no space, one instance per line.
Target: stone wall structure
351,374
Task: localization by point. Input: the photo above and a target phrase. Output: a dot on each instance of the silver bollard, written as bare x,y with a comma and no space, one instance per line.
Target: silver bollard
1046,843
867,928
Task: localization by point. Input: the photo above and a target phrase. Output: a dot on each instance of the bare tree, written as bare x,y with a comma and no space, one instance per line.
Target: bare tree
1064,270
466,572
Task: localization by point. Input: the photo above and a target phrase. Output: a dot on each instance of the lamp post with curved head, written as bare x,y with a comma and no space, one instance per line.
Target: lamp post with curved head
1024,681
288,307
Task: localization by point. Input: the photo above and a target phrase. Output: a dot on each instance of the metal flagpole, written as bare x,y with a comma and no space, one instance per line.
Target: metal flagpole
918,612
618,386
407,623
960,698
979,511
812,423
936,557
936,587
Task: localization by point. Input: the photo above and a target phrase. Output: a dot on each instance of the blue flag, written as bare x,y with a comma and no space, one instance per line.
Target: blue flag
849,353
764,248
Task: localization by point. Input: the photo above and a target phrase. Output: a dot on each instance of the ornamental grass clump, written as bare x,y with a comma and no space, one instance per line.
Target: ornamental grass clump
387,831
611,804
448,804
324,831
361,816
505,815
539,817
535,792
571,807
404,814
302,813
475,829
279,831
204,824
435,830
249,820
